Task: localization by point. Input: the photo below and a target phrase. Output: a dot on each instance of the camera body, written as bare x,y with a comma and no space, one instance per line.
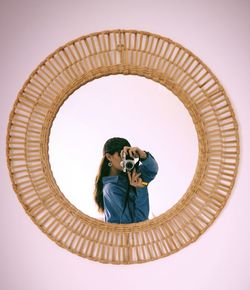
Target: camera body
128,163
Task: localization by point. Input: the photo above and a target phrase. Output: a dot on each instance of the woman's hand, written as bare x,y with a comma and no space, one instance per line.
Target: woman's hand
135,180
134,152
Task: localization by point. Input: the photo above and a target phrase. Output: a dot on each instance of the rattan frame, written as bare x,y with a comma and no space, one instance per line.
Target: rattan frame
122,52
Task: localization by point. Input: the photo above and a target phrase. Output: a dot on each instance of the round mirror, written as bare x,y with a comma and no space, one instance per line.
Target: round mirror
54,142
138,109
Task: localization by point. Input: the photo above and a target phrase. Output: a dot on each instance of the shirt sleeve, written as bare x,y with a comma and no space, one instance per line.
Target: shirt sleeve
141,205
148,168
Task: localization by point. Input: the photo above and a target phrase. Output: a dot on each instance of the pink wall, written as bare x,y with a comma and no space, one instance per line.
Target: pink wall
217,32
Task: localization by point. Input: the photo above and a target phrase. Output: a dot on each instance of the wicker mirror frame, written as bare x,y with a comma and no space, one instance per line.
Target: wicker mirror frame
122,52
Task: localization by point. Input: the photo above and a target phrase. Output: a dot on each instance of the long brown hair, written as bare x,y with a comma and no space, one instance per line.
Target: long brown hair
111,146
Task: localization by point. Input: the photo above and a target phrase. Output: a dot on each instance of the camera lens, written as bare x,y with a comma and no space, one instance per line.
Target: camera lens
129,165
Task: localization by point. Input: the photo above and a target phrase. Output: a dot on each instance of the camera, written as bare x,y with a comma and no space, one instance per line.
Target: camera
128,162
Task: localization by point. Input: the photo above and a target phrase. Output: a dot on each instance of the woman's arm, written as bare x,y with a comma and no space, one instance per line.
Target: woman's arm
146,173
148,168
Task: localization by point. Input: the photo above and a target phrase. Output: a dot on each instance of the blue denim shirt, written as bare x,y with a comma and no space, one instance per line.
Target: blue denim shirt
124,203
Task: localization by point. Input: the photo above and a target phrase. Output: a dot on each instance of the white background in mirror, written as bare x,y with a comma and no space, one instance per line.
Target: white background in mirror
133,107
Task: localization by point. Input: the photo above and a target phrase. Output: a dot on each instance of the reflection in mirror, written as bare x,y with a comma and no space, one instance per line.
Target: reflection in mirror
132,107
121,187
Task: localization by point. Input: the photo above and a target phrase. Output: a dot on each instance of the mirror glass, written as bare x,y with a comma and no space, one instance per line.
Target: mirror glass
144,112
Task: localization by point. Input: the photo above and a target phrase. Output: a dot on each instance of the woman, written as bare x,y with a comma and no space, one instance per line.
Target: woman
123,196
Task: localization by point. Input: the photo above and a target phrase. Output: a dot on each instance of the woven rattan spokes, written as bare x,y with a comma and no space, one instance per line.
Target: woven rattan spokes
122,52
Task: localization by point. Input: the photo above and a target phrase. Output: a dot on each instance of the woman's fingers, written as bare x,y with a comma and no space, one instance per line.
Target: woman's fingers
131,151
135,175
126,149
129,176
135,182
134,179
134,153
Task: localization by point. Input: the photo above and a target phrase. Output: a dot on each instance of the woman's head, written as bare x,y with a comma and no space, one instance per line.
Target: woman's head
115,144
111,158
111,151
